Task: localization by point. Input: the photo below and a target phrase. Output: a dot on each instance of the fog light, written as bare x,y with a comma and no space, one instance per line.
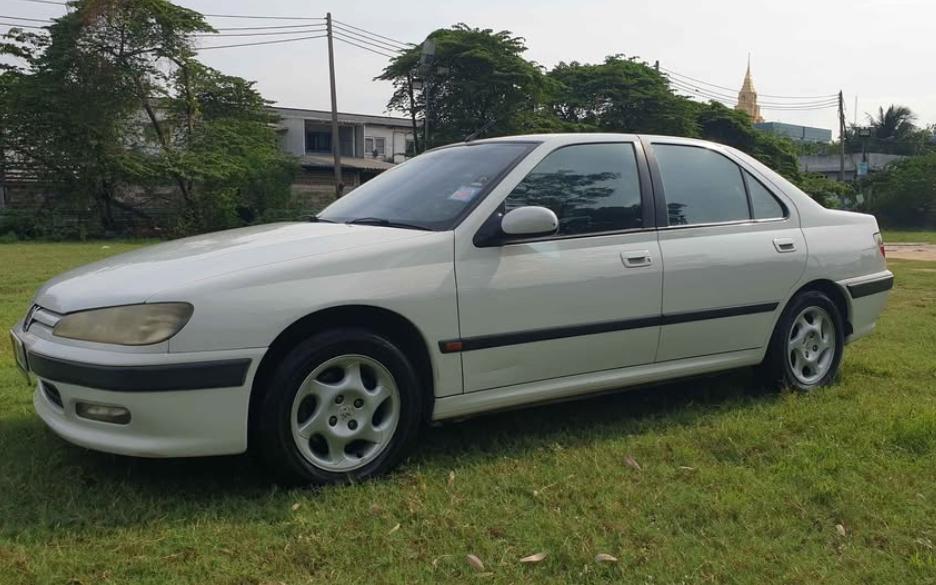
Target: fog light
117,415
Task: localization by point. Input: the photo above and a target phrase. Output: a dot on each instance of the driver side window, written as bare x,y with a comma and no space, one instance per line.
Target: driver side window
591,188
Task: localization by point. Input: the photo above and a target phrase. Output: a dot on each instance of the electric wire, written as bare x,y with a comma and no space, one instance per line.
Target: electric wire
344,40
785,97
26,19
260,43
364,39
260,34
401,43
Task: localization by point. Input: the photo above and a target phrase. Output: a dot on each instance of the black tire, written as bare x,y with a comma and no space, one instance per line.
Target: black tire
776,372
277,447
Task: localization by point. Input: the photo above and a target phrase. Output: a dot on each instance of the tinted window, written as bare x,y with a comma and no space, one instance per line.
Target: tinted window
433,190
764,204
591,188
701,186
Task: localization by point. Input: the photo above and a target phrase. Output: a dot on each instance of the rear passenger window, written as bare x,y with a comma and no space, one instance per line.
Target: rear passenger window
763,203
700,185
591,188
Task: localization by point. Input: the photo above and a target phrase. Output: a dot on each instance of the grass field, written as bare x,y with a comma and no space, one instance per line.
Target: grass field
734,486
917,237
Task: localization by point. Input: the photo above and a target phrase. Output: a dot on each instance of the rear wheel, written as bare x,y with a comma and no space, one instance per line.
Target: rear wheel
344,405
807,345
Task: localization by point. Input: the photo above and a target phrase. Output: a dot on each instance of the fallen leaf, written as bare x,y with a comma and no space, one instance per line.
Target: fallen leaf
605,558
687,468
840,529
394,529
632,462
534,558
475,563
296,506
451,479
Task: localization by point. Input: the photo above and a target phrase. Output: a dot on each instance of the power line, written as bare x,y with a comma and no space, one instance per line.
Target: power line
13,25
718,96
46,2
27,19
260,43
785,97
367,44
247,16
344,40
267,27
401,43
261,34
365,39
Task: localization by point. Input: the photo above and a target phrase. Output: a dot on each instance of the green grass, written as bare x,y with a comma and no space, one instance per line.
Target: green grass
915,236
735,486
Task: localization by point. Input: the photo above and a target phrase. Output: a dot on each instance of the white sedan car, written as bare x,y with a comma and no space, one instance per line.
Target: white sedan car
475,277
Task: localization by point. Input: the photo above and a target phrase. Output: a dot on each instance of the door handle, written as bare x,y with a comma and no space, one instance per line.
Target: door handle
636,258
784,245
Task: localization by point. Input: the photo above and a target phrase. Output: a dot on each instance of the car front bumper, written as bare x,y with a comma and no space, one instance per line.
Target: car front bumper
180,404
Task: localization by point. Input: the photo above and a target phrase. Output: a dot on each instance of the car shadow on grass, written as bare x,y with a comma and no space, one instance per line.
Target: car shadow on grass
46,483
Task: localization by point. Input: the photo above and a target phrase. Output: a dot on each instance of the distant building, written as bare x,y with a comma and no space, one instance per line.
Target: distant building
747,97
828,164
796,132
369,145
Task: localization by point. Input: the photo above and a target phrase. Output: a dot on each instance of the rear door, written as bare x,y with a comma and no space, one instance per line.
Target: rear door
732,249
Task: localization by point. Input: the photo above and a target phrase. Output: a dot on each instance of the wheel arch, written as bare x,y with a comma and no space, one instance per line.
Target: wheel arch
390,324
835,292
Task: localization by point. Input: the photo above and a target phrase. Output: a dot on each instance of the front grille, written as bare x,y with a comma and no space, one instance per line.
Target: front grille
52,393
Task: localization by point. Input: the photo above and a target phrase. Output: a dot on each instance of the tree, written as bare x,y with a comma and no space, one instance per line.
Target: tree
113,99
476,78
619,95
904,194
895,123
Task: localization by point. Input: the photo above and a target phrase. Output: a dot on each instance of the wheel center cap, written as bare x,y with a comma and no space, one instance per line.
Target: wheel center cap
345,412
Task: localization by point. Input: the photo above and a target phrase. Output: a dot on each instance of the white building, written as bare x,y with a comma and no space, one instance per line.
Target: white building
369,145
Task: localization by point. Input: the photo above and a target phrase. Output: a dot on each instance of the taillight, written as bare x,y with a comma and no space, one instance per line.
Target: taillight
879,240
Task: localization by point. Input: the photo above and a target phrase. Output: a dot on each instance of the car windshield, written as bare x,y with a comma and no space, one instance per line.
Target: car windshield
432,191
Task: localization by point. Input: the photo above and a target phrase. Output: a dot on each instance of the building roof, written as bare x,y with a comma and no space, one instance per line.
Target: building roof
326,161
343,117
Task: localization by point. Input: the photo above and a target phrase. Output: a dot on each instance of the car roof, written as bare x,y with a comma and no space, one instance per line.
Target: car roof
580,137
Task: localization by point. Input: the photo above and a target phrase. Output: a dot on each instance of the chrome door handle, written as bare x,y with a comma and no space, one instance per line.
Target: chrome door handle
784,245
636,258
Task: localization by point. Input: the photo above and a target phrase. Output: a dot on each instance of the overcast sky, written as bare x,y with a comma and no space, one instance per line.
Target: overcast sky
880,51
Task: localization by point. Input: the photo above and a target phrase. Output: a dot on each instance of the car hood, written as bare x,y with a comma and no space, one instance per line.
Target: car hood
136,276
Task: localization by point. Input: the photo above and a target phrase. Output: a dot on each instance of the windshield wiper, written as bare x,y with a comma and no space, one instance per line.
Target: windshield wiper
317,219
387,223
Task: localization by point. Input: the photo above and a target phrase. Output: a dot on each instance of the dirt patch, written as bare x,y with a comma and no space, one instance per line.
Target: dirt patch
911,251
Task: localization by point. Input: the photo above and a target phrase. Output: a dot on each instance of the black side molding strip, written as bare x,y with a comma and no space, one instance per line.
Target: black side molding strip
870,288
156,378
519,337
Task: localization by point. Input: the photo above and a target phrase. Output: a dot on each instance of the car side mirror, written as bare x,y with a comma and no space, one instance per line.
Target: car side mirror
530,220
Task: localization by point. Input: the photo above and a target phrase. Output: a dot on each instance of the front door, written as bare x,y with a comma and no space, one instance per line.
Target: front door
731,248
584,300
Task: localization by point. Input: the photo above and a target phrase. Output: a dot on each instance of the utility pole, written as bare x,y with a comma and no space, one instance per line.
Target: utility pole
426,64
841,109
335,138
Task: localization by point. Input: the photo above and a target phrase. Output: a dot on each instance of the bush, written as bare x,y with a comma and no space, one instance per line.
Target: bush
904,195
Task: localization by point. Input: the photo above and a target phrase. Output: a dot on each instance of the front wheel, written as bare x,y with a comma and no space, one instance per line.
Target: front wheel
343,406
807,345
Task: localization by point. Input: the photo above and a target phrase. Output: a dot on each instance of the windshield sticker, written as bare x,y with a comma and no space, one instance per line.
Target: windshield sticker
465,193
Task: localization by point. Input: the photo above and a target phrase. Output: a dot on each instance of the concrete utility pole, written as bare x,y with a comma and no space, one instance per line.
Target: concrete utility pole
841,108
335,137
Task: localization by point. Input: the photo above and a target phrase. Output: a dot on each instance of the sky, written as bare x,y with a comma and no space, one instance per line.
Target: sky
878,51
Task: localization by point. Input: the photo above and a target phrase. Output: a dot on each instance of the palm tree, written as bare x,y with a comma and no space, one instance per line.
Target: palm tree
896,123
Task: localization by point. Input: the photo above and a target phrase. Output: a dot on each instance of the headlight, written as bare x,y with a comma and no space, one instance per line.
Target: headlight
128,325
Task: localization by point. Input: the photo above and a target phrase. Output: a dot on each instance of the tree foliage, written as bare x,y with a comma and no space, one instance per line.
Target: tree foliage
112,109
619,95
477,77
905,193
